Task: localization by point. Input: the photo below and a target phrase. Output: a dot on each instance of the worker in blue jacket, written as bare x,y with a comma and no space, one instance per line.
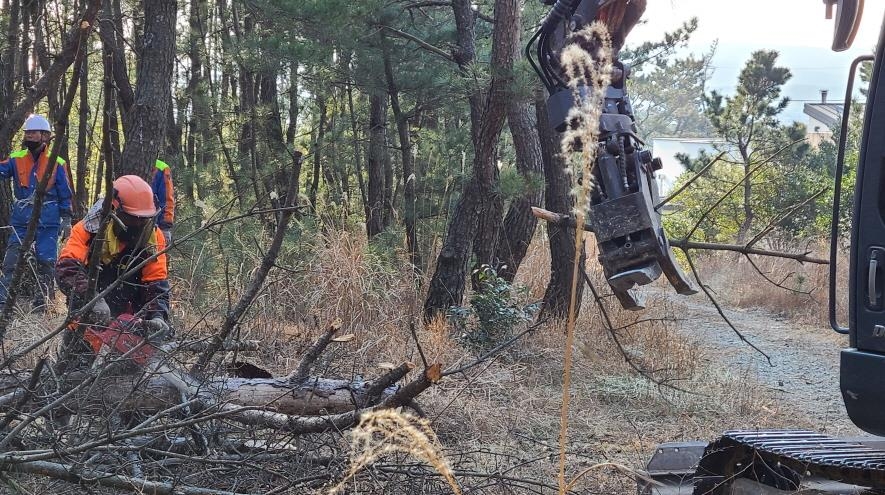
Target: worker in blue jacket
26,167
164,197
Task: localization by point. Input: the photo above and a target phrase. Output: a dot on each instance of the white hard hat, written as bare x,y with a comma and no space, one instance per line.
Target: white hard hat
37,123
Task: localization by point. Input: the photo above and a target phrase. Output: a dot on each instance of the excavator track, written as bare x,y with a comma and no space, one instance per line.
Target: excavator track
782,459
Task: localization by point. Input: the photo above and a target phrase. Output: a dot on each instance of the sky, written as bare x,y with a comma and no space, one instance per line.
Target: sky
796,28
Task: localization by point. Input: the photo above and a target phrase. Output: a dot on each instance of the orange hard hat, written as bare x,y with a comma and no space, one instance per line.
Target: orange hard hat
134,196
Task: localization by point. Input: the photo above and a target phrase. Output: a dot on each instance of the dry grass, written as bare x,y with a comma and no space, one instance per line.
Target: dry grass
504,415
802,297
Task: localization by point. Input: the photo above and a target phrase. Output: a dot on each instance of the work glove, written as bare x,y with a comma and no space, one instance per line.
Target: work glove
64,229
156,327
167,235
101,313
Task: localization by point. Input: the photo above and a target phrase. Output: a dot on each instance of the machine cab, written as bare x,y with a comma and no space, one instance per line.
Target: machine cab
863,363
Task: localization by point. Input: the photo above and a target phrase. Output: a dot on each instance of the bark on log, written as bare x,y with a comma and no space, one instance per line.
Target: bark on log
312,397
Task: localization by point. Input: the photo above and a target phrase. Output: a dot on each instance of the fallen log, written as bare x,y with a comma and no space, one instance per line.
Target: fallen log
311,397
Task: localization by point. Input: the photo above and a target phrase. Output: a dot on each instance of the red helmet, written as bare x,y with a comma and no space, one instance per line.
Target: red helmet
134,196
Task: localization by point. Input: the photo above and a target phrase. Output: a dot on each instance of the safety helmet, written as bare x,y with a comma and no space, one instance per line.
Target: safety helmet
134,196
37,122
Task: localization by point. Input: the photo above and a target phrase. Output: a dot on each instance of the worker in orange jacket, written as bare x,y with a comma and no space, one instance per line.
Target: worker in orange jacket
130,239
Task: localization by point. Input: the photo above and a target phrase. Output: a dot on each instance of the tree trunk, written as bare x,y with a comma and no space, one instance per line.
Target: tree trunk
26,76
16,116
375,162
198,135
292,128
146,128
408,168
357,151
8,65
110,36
171,151
273,140
519,223
318,152
557,198
480,199
464,57
747,223
80,195
333,193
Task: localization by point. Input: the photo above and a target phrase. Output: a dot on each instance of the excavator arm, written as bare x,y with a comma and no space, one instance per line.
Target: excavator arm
623,211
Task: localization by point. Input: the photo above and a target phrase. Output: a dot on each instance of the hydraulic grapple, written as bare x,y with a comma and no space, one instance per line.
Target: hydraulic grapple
623,209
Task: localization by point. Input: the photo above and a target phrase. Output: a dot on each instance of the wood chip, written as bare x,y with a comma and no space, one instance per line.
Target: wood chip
434,372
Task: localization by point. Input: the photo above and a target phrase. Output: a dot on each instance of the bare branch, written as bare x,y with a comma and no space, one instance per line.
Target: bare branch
719,308
88,477
233,316
740,183
610,328
740,248
444,3
382,383
301,372
775,222
569,221
423,44
62,61
772,282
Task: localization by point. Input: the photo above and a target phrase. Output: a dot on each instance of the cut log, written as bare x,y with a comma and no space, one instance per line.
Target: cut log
311,397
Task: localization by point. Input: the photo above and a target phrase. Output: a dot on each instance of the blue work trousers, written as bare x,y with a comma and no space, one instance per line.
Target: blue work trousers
45,253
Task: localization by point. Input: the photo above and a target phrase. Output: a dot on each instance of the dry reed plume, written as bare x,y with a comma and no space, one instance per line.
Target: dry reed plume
388,431
592,70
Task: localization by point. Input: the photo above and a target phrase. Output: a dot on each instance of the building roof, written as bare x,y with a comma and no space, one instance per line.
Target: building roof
825,113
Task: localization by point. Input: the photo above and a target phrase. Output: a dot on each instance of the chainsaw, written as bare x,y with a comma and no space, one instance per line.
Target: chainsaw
622,211
123,338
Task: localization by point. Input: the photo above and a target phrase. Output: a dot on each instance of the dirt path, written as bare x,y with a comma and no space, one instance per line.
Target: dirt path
804,371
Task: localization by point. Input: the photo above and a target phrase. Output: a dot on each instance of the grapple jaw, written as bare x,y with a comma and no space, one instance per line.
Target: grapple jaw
633,248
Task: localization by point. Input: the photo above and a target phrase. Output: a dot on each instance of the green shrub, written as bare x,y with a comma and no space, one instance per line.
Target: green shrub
493,313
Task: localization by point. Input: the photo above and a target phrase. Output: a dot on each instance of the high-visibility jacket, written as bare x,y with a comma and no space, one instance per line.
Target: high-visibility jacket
26,174
146,291
164,194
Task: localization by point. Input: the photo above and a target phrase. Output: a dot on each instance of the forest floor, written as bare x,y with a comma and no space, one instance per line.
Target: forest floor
499,424
714,382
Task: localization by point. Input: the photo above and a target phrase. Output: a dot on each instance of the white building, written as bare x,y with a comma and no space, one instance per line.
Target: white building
666,148
822,117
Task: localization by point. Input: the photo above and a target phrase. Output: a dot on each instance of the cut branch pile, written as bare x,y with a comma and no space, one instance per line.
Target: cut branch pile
116,424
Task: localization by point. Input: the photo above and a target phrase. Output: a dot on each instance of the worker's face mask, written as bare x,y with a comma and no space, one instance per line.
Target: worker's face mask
34,140
130,229
32,146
